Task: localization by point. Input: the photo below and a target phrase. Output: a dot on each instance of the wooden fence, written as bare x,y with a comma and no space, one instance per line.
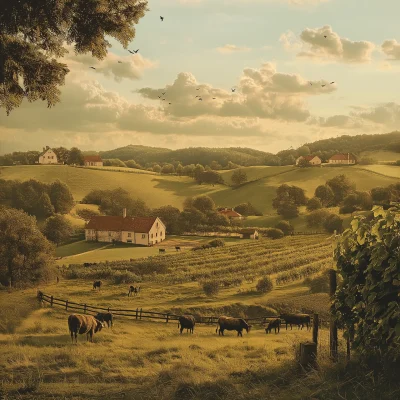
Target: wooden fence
139,313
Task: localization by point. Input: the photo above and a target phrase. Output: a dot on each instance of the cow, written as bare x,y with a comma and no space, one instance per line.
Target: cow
81,324
177,248
133,290
273,323
232,324
97,284
161,250
105,317
297,319
186,322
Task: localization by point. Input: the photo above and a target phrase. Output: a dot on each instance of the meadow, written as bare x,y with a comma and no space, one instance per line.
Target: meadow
162,190
148,360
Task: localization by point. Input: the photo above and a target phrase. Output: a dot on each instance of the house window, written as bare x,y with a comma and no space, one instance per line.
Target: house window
152,236
109,234
156,234
129,234
143,236
157,224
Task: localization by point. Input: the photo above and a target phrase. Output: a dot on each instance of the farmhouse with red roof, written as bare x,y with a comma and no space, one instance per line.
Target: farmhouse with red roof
230,213
144,231
343,158
93,161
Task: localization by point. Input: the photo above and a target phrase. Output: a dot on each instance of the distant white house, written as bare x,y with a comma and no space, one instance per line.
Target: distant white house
136,230
48,156
93,161
313,160
343,159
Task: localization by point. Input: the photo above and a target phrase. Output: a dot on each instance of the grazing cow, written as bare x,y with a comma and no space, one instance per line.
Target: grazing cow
133,291
232,324
186,322
105,317
177,248
274,323
297,319
97,284
81,324
161,250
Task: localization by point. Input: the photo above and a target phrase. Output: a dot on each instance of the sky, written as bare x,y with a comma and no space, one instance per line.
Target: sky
275,55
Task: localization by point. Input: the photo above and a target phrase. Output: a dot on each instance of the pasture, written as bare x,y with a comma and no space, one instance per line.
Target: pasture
147,360
163,190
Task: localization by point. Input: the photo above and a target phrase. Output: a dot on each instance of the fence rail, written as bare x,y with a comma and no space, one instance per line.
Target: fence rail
139,313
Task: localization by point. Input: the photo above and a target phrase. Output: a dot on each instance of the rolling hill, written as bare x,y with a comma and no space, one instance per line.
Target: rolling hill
164,189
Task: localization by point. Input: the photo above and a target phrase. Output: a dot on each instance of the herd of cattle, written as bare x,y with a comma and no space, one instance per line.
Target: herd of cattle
133,290
91,324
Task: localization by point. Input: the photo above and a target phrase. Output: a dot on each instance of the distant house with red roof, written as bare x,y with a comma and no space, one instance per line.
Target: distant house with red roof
93,161
343,158
144,231
230,213
313,160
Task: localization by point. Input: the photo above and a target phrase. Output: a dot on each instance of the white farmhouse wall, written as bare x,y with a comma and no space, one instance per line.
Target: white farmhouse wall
157,232
105,236
49,157
142,239
93,163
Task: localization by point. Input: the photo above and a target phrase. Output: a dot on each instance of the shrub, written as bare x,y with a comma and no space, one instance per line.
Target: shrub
124,277
86,213
211,288
333,223
397,163
367,161
274,233
314,204
285,227
319,283
265,285
216,243
316,218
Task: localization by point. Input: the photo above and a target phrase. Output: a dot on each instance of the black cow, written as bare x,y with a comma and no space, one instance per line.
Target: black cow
97,284
105,317
177,248
273,323
232,324
297,319
186,322
133,291
161,250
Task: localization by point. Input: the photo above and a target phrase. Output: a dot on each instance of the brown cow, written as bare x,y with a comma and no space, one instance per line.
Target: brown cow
273,323
97,284
186,322
296,319
232,324
105,317
81,324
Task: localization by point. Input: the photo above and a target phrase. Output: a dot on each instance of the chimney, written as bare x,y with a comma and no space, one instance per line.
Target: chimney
124,213
348,158
44,148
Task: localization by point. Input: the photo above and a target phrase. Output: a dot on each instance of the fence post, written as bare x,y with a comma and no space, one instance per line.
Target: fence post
167,318
84,308
140,317
315,328
137,311
108,309
333,334
51,301
66,305
348,355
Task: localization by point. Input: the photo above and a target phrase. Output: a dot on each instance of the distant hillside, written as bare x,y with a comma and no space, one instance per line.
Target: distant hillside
192,155
359,143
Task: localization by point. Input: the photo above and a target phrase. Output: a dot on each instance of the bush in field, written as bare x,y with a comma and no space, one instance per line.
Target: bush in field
314,204
217,243
124,277
285,227
316,218
86,213
318,284
333,223
264,285
274,233
211,288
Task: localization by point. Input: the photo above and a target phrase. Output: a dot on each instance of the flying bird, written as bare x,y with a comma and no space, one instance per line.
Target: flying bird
214,98
323,85
311,83
92,67
200,99
233,90
159,97
198,89
332,83
325,36
162,18
164,93
169,103
197,96
119,62
134,51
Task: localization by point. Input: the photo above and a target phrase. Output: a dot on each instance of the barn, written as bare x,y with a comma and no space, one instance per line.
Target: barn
249,233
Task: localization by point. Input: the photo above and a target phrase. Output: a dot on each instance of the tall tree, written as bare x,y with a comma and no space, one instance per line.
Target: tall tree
341,187
203,203
35,33
325,194
239,176
75,156
25,254
62,154
57,229
61,197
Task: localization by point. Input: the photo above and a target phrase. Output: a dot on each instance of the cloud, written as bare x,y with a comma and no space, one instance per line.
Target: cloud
118,67
261,93
384,114
313,44
392,49
231,48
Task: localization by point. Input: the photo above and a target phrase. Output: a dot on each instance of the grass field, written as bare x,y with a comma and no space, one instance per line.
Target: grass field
387,170
151,360
381,155
163,190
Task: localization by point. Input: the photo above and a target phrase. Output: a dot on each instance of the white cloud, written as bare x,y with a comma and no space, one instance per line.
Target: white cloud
323,44
231,48
392,49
